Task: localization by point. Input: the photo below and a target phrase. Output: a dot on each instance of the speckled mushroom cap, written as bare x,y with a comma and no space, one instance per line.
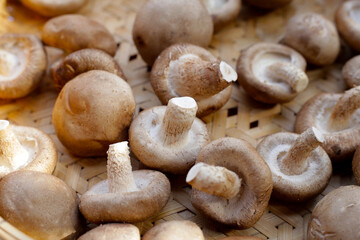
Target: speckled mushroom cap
271,73
246,208
300,186
314,36
165,72
54,8
348,22
268,4
356,165
73,32
112,231
174,230
242,238
40,205
222,12
336,216
22,64
351,72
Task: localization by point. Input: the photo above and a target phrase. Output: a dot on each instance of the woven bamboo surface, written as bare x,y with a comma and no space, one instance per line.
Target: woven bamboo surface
241,117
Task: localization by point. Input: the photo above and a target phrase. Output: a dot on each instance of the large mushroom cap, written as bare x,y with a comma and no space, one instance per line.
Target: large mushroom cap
356,165
268,4
73,32
336,216
86,124
248,205
22,64
39,204
351,73
54,8
174,230
271,73
112,231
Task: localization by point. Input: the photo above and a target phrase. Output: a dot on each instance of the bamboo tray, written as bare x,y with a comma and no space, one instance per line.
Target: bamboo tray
241,117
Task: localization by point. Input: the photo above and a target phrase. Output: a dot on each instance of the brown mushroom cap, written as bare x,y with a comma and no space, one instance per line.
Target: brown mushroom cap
82,61
112,231
54,8
271,73
268,4
153,34
301,186
336,216
351,72
245,209
314,37
356,165
73,32
242,238
22,64
39,204
92,111
174,230
348,23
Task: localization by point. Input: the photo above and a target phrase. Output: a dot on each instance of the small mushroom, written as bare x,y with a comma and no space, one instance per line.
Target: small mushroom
175,22
242,238
40,205
356,165
169,138
188,70
351,72
300,168
126,196
54,8
93,110
82,61
337,117
73,32
112,231
174,230
336,216
268,4
348,22
314,37
22,64
272,73
222,12
25,148
235,168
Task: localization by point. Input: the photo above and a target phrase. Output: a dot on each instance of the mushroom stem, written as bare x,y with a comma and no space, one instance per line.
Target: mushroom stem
295,161
289,73
344,109
119,171
194,77
178,119
214,180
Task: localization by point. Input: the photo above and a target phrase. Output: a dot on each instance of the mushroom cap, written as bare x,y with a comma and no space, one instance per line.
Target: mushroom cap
242,238
163,87
22,65
356,165
73,32
348,23
150,149
254,61
222,12
54,8
112,231
314,36
351,73
152,35
86,124
174,230
246,208
339,145
336,216
268,4
82,61
295,187
39,204
99,205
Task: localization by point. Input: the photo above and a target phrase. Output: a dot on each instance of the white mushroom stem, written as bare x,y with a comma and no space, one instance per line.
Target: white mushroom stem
119,171
295,161
178,119
12,154
214,180
289,73
194,77
344,109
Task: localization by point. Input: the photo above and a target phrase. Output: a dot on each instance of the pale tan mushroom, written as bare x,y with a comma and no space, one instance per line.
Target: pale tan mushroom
351,72
268,4
55,7
174,230
25,148
22,64
112,231
126,196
